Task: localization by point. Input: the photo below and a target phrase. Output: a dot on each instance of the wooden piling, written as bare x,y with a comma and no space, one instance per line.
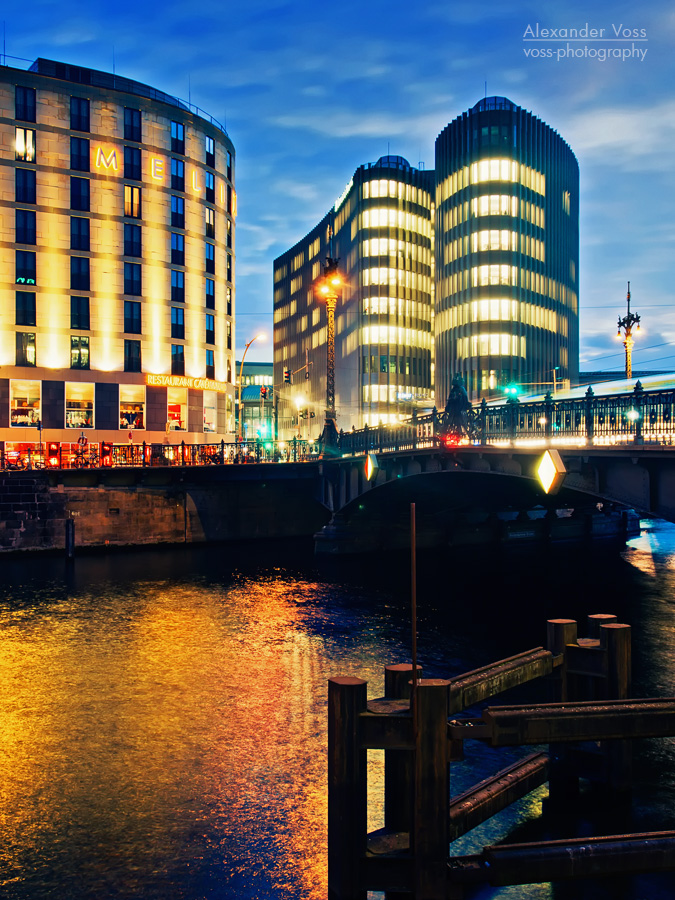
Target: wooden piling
563,783
616,639
347,799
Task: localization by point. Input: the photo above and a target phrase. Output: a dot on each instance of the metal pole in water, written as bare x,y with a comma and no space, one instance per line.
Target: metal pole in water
413,591
70,538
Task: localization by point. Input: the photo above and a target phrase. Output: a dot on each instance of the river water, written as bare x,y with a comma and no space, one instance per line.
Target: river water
162,713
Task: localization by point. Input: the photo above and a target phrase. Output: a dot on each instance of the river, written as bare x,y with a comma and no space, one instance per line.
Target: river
162,713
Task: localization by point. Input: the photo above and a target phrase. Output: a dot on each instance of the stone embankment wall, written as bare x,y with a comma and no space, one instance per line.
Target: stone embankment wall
137,507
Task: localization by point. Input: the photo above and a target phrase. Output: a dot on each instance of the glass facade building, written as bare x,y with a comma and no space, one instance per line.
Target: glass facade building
507,253
381,229
117,294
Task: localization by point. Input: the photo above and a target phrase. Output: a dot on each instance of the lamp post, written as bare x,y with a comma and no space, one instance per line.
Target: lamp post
241,383
327,288
627,323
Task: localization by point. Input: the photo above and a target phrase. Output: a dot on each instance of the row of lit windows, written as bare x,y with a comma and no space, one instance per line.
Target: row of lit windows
392,393
383,187
402,250
396,307
490,345
395,218
480,276
492,170
500,310
386,364
392,334
381,275
80,120
493,205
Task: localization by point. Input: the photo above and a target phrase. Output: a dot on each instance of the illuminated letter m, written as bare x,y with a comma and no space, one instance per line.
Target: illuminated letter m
106,162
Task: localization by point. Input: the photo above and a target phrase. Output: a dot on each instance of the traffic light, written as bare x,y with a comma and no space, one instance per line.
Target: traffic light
53,455
287,376
512,389
106,453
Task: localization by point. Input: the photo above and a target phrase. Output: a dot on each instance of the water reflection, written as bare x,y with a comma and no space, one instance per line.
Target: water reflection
162,715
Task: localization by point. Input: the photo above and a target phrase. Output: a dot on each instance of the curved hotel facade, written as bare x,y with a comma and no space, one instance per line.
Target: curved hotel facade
507,252
117,299
381,229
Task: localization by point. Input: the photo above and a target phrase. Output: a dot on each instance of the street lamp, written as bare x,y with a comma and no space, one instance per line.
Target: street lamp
241,382
327,288
627,323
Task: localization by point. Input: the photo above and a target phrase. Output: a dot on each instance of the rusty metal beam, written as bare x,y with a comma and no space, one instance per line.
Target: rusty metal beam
480,684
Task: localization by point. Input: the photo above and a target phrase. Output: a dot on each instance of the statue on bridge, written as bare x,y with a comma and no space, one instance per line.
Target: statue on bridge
457,420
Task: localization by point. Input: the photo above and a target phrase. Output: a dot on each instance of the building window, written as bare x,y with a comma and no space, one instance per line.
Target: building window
132,163
210,366
229,166
210,258
228,295
24,144
177,212
229,267
210,147
25,348
210,293
132,403
210,222
176,407
25,226
177,360
25,308
177,286
79,233
132,201
132,356
24,104
210,187
132,125
178,323
79,404
25,267
210,329
177,137
132,317
132,279
79,114
229,335
210,401
177,175
79,313
79,154
132,240
25,185
79,273
79,352
79,193
177,249
229,233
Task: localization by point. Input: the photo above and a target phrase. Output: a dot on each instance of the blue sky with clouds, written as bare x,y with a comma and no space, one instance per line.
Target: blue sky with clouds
309,91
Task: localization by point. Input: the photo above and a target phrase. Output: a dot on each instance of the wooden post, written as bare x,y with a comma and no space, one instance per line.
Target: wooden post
563,784
594,622
347,801
616,638
429,839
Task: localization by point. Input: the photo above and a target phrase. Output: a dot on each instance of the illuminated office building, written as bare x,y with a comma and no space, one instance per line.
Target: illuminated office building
117,304
507,253
381,228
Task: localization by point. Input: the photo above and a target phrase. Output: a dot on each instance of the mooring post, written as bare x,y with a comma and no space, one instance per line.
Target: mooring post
616,638
70,538
562,783
347,698
398,764
429,838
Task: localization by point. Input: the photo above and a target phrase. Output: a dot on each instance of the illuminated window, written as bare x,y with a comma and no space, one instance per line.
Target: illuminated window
177,362
210,183
79,313
24,403
176,402
24,185
79,404
229,336
178,323
79,193
229,268
210,148
79,154
177,137
79,273
210,258
177,286
210,398
25,267
24,104
494,240
132,240
79,233
79,352
132,317
566,202
24,232
132,201
229,233
132,163
177,212
132,356
25,308
24,144
132,125
209,222
494,205
210,292
79,114
132,400
177,175
228,297
132,279
177,249
210,329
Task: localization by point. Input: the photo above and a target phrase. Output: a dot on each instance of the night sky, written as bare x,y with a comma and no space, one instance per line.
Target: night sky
308,91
